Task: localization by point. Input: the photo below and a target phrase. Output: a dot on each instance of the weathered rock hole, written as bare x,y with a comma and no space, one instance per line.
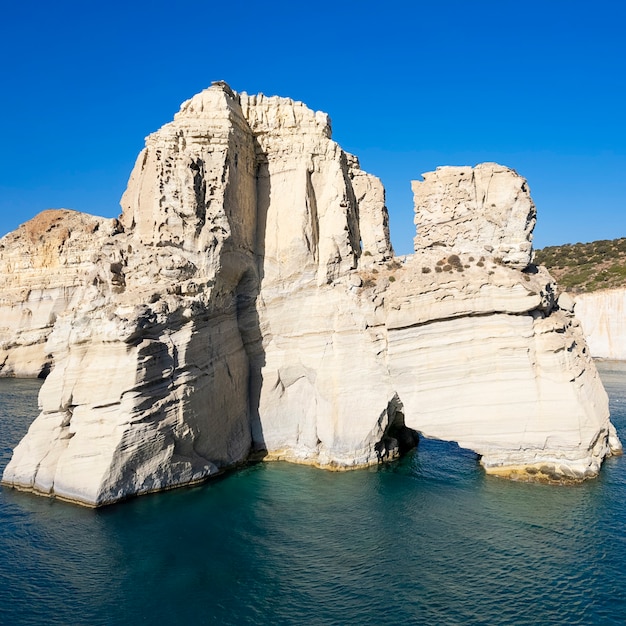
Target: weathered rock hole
397,439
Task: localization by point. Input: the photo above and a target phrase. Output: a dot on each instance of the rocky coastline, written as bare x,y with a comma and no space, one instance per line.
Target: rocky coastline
248,301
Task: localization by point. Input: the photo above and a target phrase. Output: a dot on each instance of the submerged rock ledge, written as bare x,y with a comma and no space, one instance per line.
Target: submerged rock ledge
248,301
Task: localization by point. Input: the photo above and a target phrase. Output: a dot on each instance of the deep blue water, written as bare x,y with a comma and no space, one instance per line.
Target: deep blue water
429,540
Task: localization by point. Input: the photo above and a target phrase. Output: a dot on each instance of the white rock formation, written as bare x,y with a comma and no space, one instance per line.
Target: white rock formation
45,268
482,210
249,300
508,373
603,318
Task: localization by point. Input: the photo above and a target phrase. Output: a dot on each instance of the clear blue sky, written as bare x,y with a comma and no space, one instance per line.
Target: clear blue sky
539,86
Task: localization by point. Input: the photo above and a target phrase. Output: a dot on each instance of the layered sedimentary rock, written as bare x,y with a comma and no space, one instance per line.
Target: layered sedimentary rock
46,266
603,317
248,300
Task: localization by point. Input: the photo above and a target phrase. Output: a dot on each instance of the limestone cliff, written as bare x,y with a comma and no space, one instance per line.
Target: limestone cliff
603,318
46,266
248,299
476,209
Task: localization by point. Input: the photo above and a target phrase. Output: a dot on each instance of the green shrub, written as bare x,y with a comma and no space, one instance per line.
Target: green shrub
586,266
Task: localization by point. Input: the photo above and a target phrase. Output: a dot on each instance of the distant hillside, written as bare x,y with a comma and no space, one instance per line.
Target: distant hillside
584,267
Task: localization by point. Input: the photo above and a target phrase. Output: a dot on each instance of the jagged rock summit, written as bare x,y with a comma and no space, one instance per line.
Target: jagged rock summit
473,210
248,300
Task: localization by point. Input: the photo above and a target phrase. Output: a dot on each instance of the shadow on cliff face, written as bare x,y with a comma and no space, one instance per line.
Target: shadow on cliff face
247,296
46,368
398,439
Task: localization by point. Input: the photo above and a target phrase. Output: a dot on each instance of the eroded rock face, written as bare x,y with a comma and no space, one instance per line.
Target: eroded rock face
248,299
507,370
46,268
603,317
485,210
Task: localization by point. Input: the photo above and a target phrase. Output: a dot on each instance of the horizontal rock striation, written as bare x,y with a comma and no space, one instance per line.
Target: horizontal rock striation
248,300
508,373
46,268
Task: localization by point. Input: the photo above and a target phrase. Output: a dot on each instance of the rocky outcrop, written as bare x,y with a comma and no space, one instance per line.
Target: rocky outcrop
603,317
485,209
248,300
46,266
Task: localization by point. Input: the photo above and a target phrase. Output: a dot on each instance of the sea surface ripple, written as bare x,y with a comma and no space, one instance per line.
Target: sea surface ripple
427,540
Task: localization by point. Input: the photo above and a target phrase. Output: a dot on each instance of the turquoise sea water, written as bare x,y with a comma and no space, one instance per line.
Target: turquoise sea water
428,540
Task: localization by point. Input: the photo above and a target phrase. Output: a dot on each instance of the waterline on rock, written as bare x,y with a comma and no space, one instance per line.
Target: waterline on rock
427,539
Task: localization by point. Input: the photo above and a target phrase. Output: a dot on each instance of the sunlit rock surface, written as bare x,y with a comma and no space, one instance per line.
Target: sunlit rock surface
603,317
46,267
487,208
248,300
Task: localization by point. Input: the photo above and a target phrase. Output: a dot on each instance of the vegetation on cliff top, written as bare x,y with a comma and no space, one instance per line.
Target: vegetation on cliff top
584,267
